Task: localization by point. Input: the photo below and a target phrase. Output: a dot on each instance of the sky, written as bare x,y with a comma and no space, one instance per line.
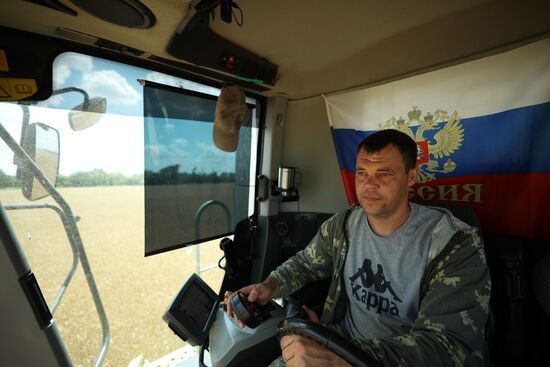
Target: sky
187,143
116,142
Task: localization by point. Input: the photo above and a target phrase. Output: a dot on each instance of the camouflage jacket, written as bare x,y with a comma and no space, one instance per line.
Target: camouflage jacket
454,294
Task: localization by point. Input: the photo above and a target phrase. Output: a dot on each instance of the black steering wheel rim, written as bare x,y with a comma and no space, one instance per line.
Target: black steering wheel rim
329,339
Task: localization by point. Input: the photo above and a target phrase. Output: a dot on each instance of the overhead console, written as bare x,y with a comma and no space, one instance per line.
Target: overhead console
195,42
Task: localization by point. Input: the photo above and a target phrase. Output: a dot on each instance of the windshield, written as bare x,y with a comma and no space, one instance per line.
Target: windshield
102,160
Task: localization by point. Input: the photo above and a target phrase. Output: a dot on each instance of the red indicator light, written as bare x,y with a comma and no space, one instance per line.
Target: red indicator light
230,62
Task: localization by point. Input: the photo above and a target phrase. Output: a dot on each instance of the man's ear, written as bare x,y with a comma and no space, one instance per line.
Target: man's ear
412,176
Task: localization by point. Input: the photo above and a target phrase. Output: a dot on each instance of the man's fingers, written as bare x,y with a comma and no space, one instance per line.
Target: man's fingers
230,309
287,361
248,289
260,293
301,351
264,292
286,341
287,351
311,315
253,294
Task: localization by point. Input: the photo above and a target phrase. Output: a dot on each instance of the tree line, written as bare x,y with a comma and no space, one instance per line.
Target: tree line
96,177
169,175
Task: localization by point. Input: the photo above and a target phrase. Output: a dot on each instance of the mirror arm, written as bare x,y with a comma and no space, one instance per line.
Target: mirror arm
74,89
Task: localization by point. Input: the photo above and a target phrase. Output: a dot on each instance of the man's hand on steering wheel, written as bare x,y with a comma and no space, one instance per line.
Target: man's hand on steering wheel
301,351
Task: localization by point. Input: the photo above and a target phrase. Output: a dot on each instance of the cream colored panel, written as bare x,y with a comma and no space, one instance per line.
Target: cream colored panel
308,145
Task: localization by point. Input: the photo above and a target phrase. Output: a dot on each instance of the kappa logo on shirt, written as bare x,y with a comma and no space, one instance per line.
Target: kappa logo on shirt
363,292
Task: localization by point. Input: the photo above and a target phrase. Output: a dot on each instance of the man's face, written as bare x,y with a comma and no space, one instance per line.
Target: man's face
381,182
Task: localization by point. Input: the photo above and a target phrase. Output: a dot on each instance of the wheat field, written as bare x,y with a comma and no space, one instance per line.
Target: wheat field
135,290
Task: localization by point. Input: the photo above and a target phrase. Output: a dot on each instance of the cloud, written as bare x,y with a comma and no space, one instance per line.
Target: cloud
53,101
168,126
111,85
211,150
156,149
179,143
155,156
105,83
212,159
206,158
68,62
159,155
61,74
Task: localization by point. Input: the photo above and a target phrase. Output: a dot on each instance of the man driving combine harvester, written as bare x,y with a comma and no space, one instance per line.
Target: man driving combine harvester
396,310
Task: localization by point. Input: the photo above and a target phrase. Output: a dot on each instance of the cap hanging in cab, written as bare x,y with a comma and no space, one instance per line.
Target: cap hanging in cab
230,112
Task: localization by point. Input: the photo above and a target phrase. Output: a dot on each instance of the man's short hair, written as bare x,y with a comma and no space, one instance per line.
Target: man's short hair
384,138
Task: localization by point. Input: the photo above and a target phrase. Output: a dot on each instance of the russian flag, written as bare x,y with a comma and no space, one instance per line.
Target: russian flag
482,130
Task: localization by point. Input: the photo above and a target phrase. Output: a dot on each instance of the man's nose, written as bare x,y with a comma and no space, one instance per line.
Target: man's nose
370,181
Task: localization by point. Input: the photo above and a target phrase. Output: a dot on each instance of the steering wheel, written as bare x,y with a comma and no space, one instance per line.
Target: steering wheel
329,339
296,323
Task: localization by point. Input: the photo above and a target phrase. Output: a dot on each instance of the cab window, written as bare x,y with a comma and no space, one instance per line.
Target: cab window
98,158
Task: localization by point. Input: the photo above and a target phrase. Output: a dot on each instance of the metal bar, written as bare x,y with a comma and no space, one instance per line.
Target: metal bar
209,267
74,248
198,215
27,161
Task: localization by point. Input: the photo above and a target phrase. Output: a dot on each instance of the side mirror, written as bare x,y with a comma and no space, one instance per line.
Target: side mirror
84,116
41,142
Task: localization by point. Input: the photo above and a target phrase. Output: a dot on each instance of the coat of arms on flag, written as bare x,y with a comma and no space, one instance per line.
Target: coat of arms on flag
437,136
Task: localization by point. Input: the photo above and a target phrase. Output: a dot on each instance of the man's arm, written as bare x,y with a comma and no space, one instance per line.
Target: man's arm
449,329
312,263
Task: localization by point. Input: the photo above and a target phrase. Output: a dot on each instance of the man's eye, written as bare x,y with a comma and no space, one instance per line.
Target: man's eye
384,174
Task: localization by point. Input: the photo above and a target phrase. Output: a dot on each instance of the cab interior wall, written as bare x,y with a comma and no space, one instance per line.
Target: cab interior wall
308,146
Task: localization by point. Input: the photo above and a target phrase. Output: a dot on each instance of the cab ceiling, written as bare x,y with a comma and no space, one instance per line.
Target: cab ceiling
324,46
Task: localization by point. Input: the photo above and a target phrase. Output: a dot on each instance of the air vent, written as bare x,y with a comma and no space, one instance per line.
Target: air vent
103,43
99,42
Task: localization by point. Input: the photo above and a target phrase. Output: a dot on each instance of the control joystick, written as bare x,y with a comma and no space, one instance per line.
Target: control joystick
251,314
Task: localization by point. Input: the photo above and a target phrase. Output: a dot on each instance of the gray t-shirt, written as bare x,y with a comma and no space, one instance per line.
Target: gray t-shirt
382,275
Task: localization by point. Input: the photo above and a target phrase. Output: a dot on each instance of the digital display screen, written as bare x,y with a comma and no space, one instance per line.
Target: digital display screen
196,304
193,311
